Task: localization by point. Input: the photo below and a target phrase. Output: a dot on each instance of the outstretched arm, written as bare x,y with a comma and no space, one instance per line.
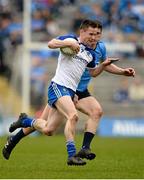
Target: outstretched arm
97,70
112,68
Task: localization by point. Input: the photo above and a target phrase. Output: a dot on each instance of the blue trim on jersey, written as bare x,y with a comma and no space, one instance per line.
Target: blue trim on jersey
55,91
93,63
99,55
67,36
90,52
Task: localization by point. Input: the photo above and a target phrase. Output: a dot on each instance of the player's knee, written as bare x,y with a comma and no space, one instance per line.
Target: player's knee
96,113
49,131
73,117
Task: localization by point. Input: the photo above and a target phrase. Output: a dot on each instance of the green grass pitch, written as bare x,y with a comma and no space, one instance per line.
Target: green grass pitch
45,158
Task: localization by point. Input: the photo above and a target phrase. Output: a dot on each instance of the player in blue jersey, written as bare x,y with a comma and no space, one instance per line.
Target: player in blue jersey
63,86
86,103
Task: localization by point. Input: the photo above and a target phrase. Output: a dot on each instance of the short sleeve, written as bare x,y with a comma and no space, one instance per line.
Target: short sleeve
94,61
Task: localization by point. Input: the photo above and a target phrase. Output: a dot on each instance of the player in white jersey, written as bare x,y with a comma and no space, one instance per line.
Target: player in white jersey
70,69
61,91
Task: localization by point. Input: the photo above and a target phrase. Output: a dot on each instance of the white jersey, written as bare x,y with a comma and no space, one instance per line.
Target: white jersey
70,69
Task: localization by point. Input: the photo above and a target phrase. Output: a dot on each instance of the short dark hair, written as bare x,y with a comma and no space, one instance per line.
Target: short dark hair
91,23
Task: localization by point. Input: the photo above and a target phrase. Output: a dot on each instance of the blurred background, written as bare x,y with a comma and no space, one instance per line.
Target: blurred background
27,65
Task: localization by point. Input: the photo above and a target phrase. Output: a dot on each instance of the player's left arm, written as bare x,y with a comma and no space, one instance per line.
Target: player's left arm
112,68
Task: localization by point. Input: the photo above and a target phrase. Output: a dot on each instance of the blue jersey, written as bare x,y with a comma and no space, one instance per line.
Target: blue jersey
100,51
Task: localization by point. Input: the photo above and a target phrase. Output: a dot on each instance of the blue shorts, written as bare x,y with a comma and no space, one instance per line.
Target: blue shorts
56,91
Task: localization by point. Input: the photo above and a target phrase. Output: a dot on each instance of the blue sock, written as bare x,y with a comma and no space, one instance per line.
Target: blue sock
27,122
71,148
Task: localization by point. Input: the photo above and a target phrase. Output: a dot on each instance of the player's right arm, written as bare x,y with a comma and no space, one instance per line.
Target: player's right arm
57,43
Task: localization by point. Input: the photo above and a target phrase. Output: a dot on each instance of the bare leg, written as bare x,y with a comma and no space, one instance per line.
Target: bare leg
51,124
92,108
67,108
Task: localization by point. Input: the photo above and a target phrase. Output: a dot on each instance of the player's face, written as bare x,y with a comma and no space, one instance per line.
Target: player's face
90,36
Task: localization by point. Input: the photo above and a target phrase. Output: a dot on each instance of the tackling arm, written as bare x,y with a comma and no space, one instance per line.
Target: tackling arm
112,68
98,69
